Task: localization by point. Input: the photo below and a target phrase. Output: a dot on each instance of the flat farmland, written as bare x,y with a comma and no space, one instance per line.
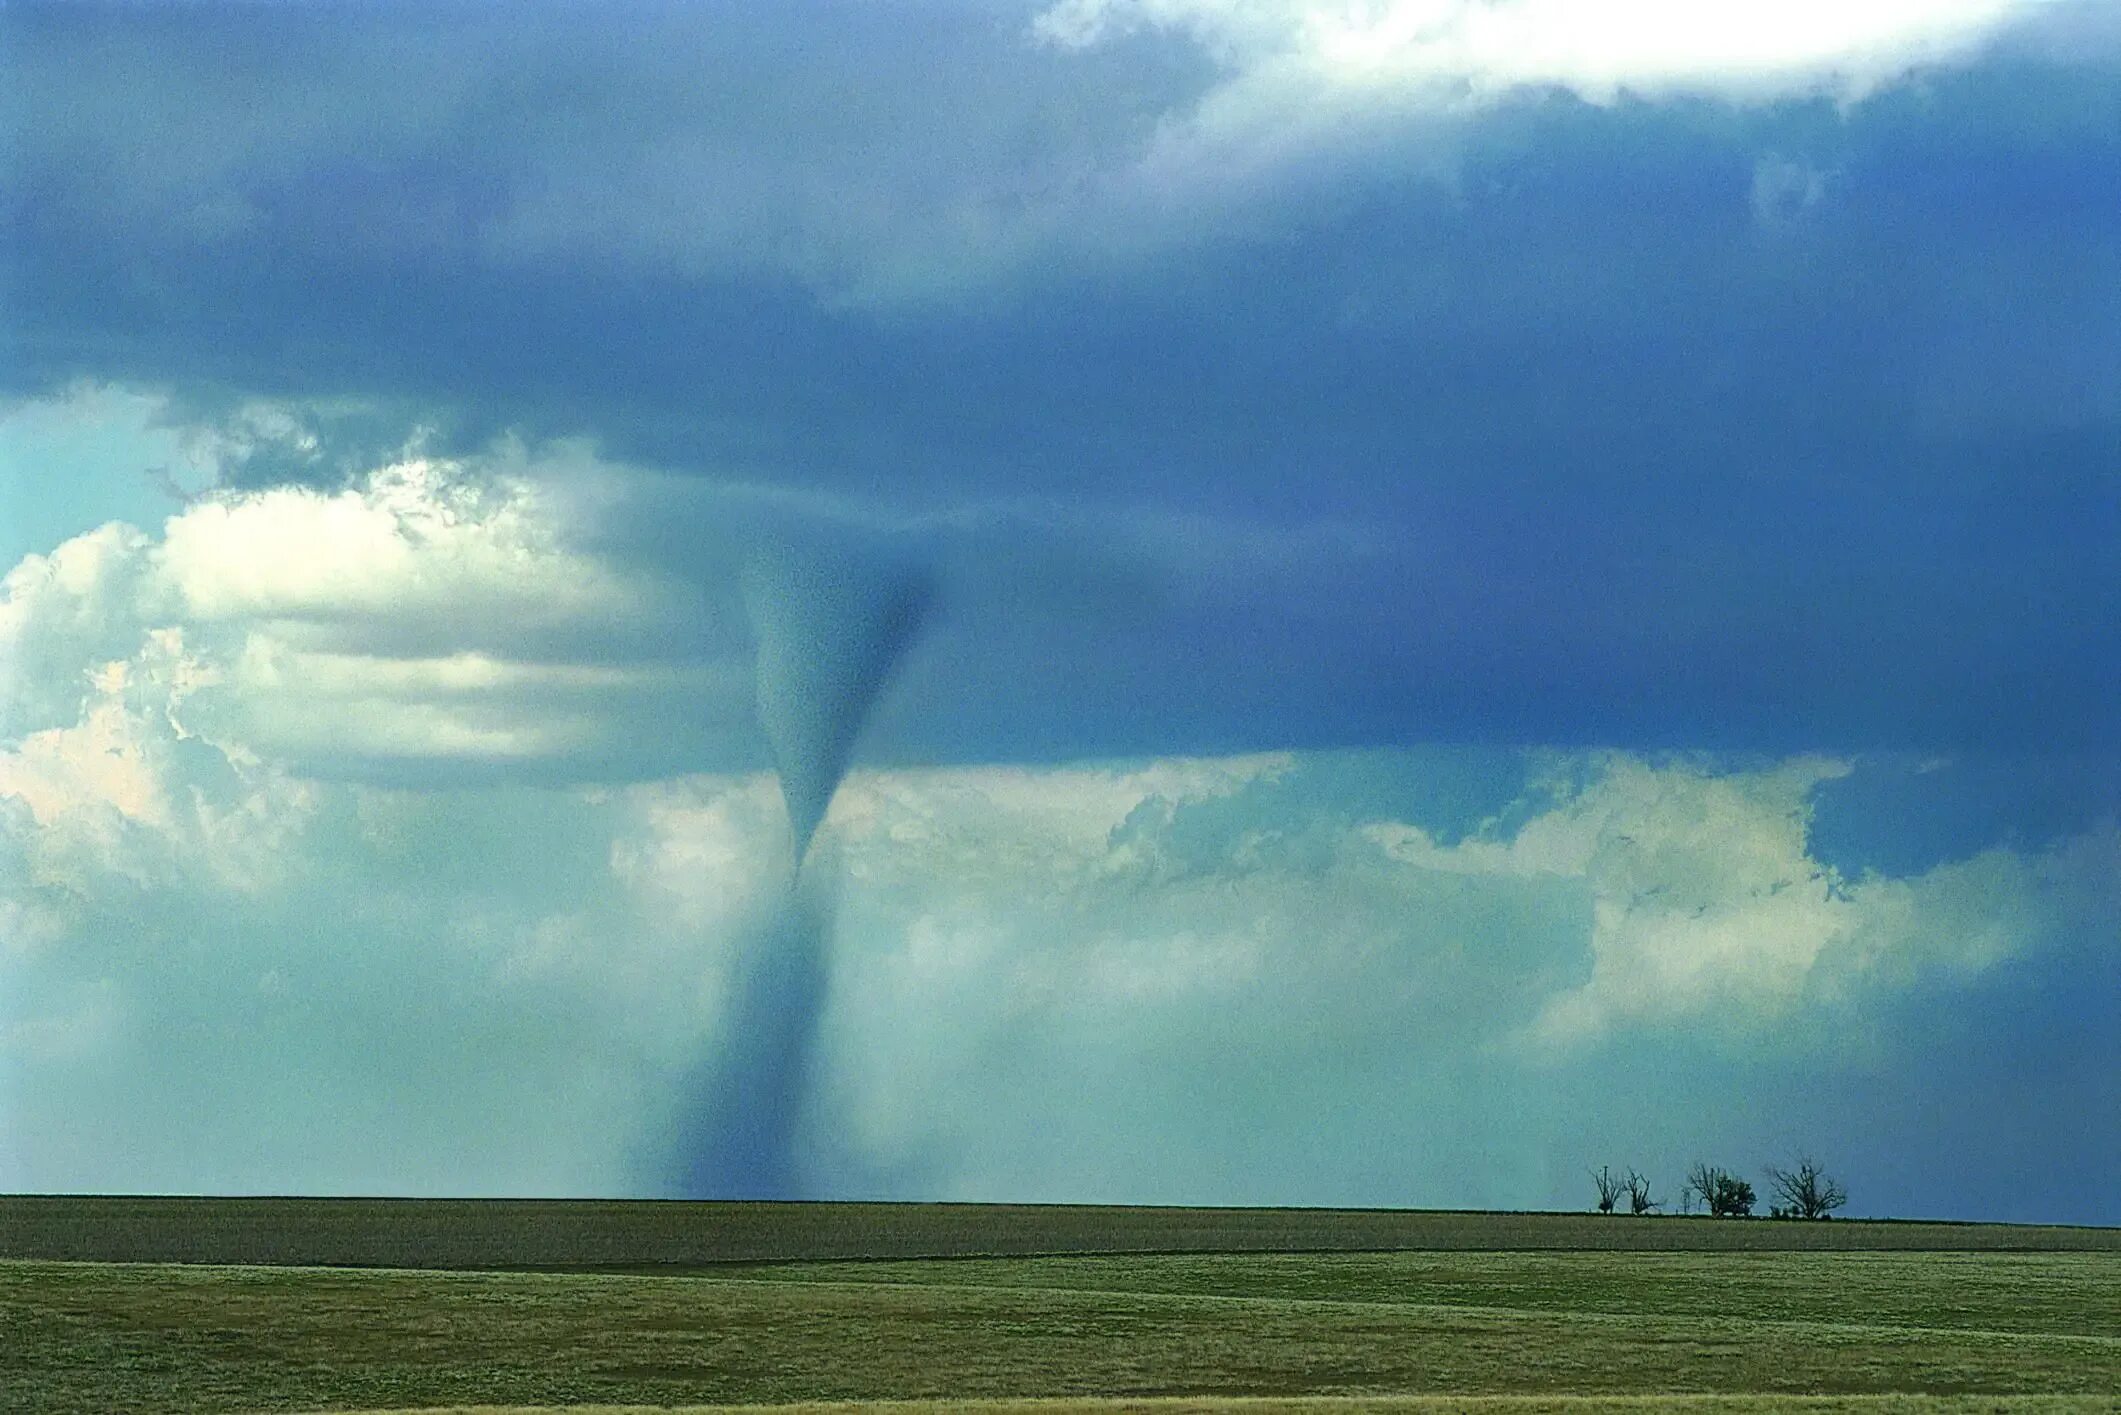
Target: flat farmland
652,1235
1732,1317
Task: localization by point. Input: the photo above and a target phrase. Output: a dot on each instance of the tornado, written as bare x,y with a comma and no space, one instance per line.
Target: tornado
829,630
741,1122
829,625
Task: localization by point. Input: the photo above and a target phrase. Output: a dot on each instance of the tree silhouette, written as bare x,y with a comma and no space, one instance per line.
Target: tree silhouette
1610,1187
1640,1201
1722,1193
1807,1191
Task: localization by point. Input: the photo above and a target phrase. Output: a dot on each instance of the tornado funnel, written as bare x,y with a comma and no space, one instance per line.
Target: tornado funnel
740,1129
830,625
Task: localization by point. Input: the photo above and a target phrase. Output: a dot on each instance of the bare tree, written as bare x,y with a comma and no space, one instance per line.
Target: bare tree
1722,1193
1640,1201
1610,1187
1807,1191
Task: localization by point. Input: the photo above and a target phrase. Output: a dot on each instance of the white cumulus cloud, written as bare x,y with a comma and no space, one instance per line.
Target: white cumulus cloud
1447,50
432,613
1306,89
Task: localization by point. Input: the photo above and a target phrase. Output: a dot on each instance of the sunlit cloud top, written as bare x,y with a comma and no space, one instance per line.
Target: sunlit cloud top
1444,51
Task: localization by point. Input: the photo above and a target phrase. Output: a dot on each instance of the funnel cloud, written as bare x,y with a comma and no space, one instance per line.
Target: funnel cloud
829,628
742,1124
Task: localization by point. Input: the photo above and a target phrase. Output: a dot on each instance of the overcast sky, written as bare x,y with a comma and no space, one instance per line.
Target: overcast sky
1420,596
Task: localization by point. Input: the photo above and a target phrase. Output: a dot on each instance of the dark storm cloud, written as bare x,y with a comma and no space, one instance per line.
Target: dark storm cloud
1780,425
1900,815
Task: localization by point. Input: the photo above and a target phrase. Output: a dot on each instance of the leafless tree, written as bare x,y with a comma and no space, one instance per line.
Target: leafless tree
1722,1193
1610,1187
1807,1191
1640,1201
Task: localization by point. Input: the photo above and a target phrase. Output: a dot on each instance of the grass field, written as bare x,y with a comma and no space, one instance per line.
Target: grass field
650,1235
1743,1329
1371,1405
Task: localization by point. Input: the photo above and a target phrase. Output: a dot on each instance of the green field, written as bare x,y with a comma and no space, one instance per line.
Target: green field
652,1235
1763,1318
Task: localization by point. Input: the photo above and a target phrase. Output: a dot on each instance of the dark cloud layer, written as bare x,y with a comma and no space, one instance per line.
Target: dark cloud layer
1774,426
1901,815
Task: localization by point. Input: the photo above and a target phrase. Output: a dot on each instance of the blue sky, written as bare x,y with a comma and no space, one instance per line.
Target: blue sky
1420,597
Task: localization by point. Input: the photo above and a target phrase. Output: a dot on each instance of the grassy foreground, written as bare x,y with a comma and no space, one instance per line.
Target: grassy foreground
1535,1324
1382,1405
1371,1405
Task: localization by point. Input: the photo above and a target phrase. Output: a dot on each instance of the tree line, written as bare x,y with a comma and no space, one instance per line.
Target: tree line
1805,1190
